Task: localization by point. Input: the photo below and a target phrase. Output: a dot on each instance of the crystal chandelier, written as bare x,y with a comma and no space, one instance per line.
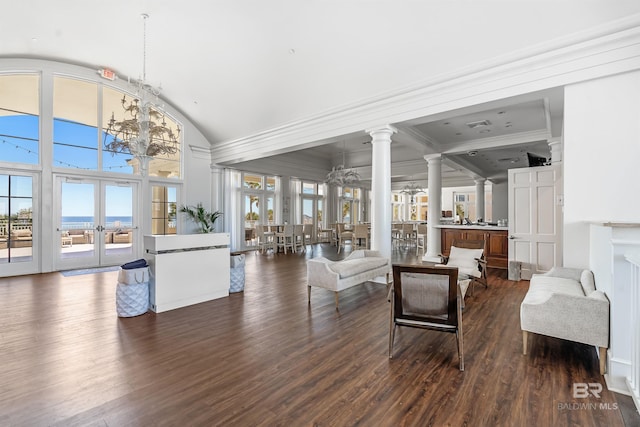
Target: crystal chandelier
412,189
342,176
143,132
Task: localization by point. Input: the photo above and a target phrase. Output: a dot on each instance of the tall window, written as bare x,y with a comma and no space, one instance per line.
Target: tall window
312,205
464,204
163,209
349,205
259,203
75,124
77,141
397,207
16,218
422,205
162,165
20,118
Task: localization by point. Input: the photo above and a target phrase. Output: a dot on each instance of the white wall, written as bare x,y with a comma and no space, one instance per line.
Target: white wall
500,201
601,159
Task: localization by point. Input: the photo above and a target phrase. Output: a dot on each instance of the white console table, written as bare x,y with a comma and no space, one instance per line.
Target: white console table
187,269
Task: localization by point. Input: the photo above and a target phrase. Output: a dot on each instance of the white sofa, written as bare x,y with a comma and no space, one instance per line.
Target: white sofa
359,267
564,303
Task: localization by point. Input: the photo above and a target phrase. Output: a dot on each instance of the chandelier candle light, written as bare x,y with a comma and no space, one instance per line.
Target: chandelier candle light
145,133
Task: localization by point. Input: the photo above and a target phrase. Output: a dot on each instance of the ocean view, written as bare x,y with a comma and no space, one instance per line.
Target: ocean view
75,222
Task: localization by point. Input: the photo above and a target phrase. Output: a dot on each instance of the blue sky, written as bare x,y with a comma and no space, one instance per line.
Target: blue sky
75,147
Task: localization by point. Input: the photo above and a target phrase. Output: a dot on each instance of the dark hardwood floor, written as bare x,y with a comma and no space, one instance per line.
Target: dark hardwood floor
264,357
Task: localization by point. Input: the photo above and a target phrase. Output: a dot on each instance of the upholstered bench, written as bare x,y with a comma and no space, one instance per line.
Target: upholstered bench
359,267
564,303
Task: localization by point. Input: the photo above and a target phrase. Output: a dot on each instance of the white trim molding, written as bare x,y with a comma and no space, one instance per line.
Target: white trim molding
605,50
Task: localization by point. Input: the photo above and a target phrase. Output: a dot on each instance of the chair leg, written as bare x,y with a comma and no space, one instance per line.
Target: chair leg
603,359
459,335
392,327
460,349
309,293
524,342
336,294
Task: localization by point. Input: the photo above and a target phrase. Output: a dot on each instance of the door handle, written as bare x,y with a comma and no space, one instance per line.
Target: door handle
512,237
99,228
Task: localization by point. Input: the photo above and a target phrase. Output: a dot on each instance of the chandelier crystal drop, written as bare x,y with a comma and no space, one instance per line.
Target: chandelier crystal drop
143,132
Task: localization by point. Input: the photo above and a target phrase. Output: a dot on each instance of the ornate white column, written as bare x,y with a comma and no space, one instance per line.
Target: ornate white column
555,145
381,189
434,210
480,198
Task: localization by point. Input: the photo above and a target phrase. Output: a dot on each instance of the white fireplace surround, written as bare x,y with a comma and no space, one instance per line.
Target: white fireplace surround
615,260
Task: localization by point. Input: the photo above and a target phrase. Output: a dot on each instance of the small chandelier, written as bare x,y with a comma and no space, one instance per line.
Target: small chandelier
412,189
342,176
144,134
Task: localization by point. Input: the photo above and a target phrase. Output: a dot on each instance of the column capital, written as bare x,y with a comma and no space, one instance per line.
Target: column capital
384,129
433,157
480,181
216,168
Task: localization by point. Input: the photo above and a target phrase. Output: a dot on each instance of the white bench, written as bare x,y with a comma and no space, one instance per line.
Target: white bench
564,303
359,267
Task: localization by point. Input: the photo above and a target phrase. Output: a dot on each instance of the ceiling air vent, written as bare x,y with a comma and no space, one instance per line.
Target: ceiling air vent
478,124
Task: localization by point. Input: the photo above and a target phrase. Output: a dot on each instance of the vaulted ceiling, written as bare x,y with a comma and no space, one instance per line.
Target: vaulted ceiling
240,68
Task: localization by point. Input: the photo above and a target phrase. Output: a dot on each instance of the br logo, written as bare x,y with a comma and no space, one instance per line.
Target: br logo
583,390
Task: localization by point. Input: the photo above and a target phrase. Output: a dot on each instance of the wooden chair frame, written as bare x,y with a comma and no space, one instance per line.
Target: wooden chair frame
452,322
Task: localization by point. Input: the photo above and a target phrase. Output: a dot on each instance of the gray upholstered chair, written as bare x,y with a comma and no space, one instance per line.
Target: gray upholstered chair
426,297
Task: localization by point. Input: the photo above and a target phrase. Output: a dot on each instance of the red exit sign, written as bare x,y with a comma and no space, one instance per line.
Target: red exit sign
108,74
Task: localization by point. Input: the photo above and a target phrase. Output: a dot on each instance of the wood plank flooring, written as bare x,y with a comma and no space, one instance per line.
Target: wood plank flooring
264,357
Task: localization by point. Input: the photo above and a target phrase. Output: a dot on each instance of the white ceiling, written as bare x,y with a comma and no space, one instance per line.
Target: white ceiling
237,68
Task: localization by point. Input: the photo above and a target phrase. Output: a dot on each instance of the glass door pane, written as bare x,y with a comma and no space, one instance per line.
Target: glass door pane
16,219
308,216
345,215
119,233
269,214
251,218
320,215
77,221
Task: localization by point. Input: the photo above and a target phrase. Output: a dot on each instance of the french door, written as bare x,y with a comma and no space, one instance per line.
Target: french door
312,209
96,222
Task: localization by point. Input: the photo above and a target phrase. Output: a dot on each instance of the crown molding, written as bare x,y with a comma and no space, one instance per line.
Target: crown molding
604,50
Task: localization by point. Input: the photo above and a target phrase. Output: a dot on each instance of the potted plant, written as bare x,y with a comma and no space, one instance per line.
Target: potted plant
204,219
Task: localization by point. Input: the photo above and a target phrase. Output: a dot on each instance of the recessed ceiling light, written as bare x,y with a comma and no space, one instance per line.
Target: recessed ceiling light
472,153
501,112
292,51
446,123
508,125
458,133
485,131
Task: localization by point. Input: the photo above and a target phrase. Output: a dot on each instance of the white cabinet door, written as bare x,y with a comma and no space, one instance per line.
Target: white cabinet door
535,218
